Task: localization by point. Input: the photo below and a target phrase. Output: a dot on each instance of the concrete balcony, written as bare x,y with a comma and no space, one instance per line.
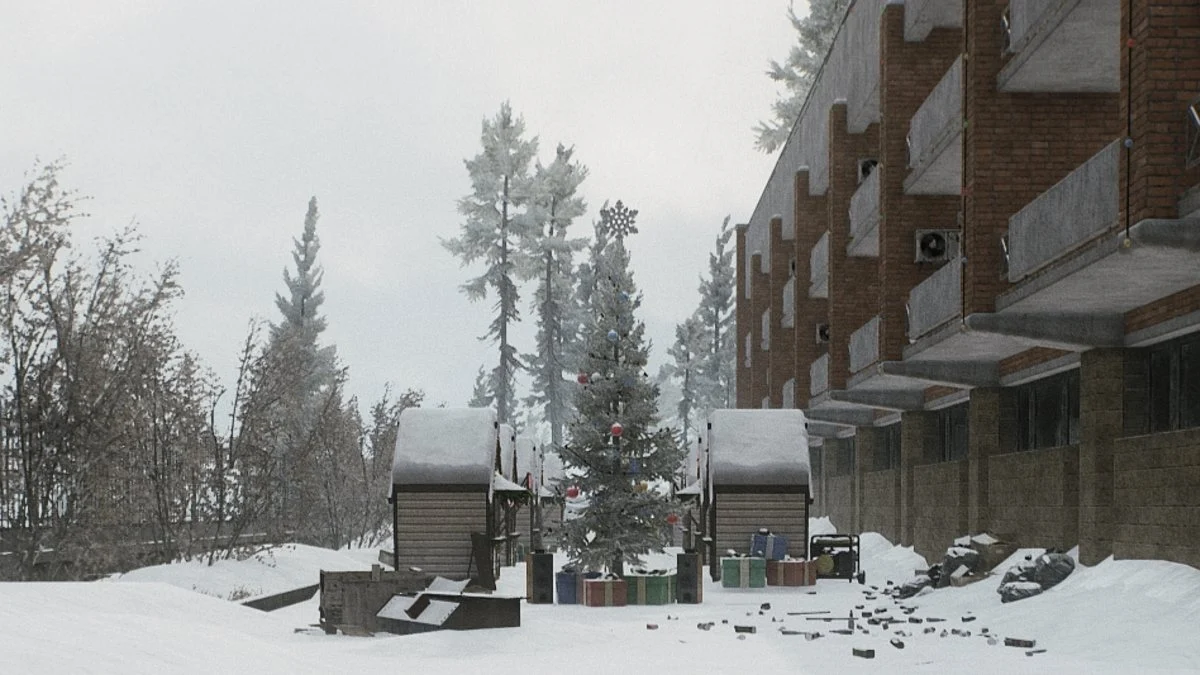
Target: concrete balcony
818,375
864,345
936,300
788,315
1069,214
922,16
789,394
766,330
935,139
818,268
1063,46
864,219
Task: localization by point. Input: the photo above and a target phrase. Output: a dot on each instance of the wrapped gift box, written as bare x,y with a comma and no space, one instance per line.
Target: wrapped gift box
651,589
743,572
605,592
791,572
567,585
769,546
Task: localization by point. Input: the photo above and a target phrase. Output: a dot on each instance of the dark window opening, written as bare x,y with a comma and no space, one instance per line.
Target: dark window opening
1173,383
887,452
953,432
1048,412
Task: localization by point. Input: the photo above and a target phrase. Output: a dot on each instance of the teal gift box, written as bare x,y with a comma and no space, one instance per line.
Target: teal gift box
744,572
651,589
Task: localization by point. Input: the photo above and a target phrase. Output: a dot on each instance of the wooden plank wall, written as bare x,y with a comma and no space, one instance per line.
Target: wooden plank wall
741,514
435,530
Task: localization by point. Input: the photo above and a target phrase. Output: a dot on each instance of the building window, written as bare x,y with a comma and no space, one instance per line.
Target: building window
1173,381
952,432
1048,412
887,452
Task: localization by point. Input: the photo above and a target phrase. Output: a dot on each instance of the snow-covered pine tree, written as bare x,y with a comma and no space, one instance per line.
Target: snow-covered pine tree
815,33
615,449
481,396
715,388
687,356
305,370
586,276
494,226
554,206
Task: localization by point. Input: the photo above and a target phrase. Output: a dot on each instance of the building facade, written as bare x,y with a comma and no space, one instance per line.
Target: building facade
976,268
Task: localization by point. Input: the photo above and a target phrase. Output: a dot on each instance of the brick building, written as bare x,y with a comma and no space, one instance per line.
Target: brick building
976,268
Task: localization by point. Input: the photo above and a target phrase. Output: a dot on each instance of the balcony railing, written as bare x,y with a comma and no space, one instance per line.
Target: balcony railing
864,218
922,16
1062,46
1073,211
934,138
788,315
936,300
818,375
864,345
818,268
789,393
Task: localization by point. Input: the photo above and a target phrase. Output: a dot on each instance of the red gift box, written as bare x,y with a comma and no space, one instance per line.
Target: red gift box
791,572
605,592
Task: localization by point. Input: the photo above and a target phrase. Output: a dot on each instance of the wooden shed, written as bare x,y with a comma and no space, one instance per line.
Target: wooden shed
442,489
757,477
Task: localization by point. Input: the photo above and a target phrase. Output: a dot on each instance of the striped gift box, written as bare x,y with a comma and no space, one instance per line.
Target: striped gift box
605,592
743,572
791,572
651,589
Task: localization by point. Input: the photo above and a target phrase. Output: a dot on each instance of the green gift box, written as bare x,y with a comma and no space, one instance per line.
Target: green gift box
744,572
651,589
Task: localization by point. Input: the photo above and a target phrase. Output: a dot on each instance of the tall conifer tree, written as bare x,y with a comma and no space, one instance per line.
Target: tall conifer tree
495,225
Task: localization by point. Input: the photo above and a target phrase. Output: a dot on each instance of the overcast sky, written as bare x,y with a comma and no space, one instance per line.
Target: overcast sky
210,124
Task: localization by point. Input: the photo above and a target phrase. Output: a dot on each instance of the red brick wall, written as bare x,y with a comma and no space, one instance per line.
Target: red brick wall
781,363
1028,359
1178,304
811,221
908,73
853,282
1016,146
1165,76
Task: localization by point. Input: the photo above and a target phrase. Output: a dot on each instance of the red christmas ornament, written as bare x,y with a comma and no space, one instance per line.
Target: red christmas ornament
672,519
617,429
572,492
582,378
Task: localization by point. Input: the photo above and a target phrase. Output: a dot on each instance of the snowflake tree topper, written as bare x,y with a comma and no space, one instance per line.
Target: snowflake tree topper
617,220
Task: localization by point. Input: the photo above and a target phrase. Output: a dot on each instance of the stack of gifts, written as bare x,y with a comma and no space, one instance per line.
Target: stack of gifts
743,572
605,592
650,588
569,584
790,572
767,545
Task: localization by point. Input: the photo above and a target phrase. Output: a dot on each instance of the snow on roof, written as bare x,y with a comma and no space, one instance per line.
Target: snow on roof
434,614
527,457
436,446
508,449
757,447
502,484
691,489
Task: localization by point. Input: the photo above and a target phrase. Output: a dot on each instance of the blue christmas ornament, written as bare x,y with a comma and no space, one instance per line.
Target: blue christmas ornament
612,336
624,296
634,467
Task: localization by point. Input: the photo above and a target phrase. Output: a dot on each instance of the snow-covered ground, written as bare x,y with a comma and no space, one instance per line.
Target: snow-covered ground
1115,617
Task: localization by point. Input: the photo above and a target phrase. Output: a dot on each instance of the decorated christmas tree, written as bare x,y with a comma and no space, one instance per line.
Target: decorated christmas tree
620,458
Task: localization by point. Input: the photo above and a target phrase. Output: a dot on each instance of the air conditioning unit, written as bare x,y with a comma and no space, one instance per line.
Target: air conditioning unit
822,333
936,246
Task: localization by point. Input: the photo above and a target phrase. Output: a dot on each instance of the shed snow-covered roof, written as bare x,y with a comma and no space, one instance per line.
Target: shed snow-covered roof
508,449
757,447
527,457
552,468
438,446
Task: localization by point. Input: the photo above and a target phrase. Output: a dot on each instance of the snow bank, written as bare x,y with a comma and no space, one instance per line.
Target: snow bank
445,445
757,447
